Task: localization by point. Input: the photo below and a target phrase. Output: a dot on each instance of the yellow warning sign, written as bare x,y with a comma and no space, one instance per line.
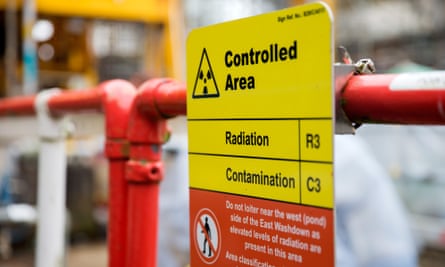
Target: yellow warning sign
205,83
260,125
249,62
260,90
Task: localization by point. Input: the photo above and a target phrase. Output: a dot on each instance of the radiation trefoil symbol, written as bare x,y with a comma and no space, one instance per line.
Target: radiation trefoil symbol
205,83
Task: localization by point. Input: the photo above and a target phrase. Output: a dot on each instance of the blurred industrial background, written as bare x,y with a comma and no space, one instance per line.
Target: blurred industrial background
76,45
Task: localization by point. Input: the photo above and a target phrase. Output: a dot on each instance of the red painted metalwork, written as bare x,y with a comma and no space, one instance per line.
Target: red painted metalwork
369,99
147,131
116,101
117,212
75,101
145,119
17,106
168,99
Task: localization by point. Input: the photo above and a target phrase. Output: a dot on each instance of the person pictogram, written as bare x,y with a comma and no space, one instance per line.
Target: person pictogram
207,237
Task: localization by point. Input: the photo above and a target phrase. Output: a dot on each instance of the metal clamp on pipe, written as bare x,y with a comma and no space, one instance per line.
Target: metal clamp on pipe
344,72
51,127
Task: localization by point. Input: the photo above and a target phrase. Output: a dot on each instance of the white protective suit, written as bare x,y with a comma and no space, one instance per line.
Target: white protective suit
372,229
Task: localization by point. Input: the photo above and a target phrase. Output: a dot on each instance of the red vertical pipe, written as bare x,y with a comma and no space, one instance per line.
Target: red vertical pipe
117,99
144,173
117,206
142,210
147,132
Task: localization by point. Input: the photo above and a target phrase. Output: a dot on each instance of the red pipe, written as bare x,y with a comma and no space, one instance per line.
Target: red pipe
143,205
388,98
171,99
365,99
157,99
116,98
17,106
65,102
117,212
132,239
166,99
75,101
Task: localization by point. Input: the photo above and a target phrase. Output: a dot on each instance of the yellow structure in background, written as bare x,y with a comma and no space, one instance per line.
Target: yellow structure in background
149,11
70,49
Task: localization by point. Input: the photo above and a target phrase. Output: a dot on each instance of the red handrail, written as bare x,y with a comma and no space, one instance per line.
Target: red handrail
17,106
378,99
365,99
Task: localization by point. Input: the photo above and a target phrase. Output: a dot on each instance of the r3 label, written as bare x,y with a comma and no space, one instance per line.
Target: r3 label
312,141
